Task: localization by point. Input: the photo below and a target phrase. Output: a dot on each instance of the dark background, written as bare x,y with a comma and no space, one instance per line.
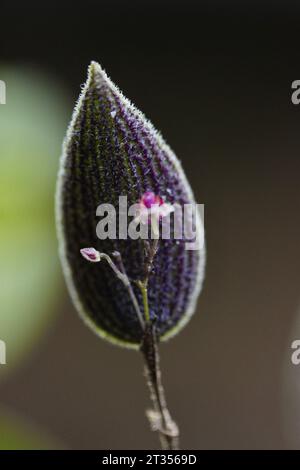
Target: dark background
215,77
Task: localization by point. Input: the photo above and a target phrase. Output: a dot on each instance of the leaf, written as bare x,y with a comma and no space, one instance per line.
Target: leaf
111,150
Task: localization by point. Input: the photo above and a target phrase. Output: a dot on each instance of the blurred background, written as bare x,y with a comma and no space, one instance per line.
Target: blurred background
215,77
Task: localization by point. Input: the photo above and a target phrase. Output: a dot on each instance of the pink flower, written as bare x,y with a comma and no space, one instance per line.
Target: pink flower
149,199
152,205
90,254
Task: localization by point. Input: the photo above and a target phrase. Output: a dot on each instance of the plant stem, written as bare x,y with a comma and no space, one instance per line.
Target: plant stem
145,302
143,288
160,418
128,285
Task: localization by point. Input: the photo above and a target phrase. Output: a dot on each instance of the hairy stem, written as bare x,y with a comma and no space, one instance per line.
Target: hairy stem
160,418
128,285
144,291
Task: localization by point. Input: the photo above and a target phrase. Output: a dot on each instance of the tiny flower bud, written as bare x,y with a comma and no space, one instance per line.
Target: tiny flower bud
149,199
90,254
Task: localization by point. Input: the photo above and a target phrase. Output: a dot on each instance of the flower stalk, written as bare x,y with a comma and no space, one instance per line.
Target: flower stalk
94,256
159,418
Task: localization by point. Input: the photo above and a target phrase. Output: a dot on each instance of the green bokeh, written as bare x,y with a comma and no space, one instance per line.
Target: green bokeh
17,434
32,126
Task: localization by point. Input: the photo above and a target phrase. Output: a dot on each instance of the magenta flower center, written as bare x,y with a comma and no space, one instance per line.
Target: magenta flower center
149,199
